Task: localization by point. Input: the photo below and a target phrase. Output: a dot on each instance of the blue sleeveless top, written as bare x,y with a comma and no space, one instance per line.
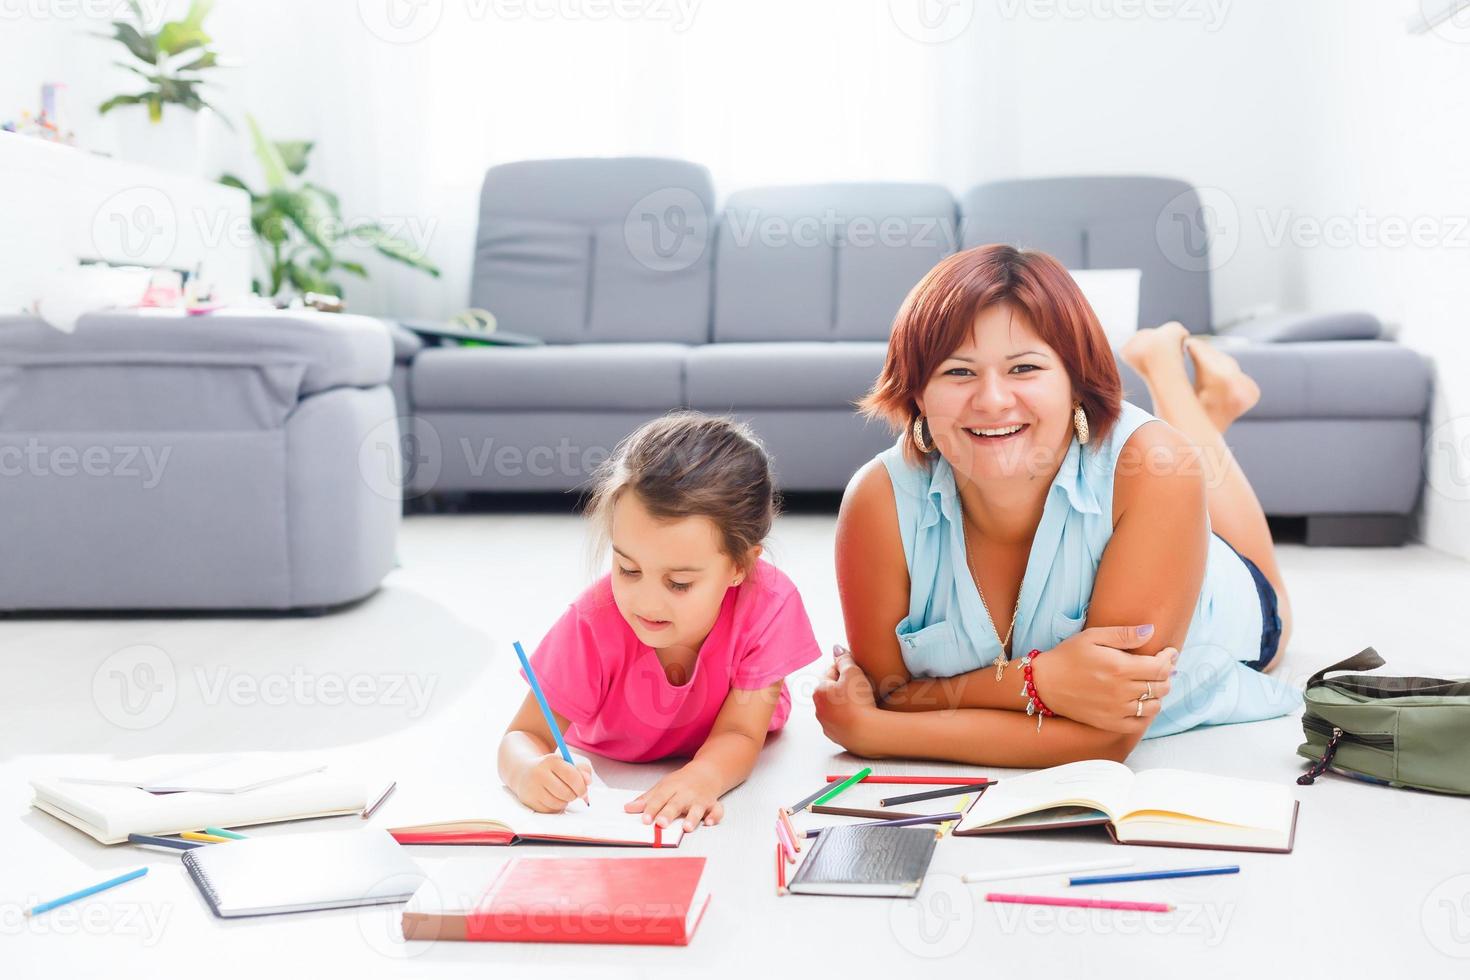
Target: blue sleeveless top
948,632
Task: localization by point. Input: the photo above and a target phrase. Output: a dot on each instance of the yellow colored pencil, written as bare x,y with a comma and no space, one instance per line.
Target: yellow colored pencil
204,838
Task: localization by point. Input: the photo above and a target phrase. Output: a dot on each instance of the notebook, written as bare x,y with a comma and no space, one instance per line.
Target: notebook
493,815
878,861
303,873
200,774
627,900
111,813
1113,295
1165,807
862,799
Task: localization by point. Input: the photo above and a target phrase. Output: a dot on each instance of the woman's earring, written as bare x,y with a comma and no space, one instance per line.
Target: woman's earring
918,433
1079,422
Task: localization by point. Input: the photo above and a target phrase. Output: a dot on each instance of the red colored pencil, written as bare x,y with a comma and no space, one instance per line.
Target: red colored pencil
1086,903
920,780
780,870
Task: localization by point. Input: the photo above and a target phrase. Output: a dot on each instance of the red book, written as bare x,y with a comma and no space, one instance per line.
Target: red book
639,901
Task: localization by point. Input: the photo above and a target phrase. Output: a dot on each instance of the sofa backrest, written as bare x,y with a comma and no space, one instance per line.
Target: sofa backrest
1153,224
825,261
580,250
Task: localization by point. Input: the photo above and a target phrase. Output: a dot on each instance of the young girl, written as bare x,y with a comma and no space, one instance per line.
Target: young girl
683,648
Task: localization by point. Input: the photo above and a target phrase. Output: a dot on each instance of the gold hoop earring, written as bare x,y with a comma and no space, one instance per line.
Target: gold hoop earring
918,434
1079,422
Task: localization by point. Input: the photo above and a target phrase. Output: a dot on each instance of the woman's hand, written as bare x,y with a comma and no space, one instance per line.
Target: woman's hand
691,792
1092,678
846,706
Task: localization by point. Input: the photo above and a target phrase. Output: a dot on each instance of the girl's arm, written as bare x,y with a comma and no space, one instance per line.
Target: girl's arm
532,767
722,763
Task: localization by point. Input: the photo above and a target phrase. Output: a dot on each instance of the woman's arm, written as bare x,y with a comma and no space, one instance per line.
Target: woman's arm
873,584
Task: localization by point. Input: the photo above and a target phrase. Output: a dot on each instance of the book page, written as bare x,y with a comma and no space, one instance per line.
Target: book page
1220,799
1097,783
603,819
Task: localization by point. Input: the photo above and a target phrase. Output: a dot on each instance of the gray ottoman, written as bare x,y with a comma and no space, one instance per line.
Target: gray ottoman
228,461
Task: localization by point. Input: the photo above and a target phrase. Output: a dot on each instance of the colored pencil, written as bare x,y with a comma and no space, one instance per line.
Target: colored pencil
896,822
919,780
1040,870
369,811
852,780
807,801
561,743
932,794
787,844
1085,903
1223,869
175,843
780,870
785,819
204,838
220,832
85,892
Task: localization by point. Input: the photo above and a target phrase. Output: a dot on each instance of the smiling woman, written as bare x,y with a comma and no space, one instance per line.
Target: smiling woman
1027,507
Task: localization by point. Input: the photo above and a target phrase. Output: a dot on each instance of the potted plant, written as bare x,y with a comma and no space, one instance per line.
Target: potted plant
172,61
300,228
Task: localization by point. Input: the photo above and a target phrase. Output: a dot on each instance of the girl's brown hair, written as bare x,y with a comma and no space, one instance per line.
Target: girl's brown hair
688,464
939,313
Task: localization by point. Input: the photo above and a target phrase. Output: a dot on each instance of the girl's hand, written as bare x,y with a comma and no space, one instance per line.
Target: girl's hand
845,704
691,792
1092,678
550,783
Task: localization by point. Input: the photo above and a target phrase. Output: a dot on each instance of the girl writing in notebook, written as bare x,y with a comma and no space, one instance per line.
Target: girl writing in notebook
682,649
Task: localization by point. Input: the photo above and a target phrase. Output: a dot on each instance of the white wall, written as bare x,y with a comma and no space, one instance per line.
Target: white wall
1302,120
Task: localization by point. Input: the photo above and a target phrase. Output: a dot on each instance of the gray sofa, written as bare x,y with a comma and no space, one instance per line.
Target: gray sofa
228,461
776,308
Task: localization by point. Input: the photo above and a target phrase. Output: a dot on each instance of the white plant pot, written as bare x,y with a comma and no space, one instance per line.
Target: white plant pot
181,142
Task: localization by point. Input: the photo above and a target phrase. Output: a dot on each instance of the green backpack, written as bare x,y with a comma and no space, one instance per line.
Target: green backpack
1398,731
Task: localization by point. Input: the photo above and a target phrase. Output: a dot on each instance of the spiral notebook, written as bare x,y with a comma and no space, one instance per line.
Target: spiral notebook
303,873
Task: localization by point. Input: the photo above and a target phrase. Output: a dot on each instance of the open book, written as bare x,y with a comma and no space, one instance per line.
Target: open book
492,815
1167,807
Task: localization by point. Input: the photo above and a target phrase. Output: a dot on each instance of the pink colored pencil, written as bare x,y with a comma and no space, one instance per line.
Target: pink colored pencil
786,843
1085,903
785,819
919,780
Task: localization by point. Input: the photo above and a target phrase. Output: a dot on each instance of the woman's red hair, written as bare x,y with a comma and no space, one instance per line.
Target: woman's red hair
939,315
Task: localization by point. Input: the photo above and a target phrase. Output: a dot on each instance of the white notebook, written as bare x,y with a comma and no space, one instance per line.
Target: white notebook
111,813
303,872
200,774
489,814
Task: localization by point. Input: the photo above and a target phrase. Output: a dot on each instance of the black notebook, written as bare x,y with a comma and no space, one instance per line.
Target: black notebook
887,862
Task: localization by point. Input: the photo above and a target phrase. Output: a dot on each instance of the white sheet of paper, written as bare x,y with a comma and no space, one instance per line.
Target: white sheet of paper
1113,295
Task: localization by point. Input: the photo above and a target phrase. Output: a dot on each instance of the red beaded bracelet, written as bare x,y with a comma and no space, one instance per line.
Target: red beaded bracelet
1034,704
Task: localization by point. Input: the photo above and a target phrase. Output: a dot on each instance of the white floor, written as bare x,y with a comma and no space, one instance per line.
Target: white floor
1380,879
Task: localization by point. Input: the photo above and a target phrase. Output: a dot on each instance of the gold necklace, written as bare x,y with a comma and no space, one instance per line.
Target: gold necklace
1000,661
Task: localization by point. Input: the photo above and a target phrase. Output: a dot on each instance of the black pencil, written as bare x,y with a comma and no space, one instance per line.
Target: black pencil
935,794
808,801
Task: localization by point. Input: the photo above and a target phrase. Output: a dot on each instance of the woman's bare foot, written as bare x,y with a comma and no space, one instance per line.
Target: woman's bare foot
1225,391
1156,348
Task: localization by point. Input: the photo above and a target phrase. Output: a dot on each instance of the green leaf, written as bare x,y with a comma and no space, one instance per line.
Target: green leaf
206,60
356,268
308,281
310,214
118,100
198,10
269,157
392,247
328,196
177,36
294,153
230,180
140,45
155,108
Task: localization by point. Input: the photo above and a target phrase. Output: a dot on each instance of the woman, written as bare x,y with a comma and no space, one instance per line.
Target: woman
1027,509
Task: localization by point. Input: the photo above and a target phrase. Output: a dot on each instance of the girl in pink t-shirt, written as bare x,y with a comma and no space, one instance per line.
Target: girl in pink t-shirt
683,648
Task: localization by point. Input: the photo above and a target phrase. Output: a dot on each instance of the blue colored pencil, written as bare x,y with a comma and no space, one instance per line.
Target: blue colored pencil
1224,869
85,892
173,842
561,744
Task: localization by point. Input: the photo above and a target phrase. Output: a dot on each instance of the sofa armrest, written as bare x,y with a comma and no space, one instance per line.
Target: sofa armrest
326,350
1286,328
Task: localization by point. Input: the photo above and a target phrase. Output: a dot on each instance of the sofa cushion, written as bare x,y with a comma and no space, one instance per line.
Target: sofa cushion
825,262
1360,379
726,377
596,249
571,377
1153,224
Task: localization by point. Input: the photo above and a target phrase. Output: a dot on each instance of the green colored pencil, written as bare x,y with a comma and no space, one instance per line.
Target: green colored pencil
852,780
219,832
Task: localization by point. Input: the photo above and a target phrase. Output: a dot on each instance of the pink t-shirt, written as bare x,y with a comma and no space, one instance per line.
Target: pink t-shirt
612,689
